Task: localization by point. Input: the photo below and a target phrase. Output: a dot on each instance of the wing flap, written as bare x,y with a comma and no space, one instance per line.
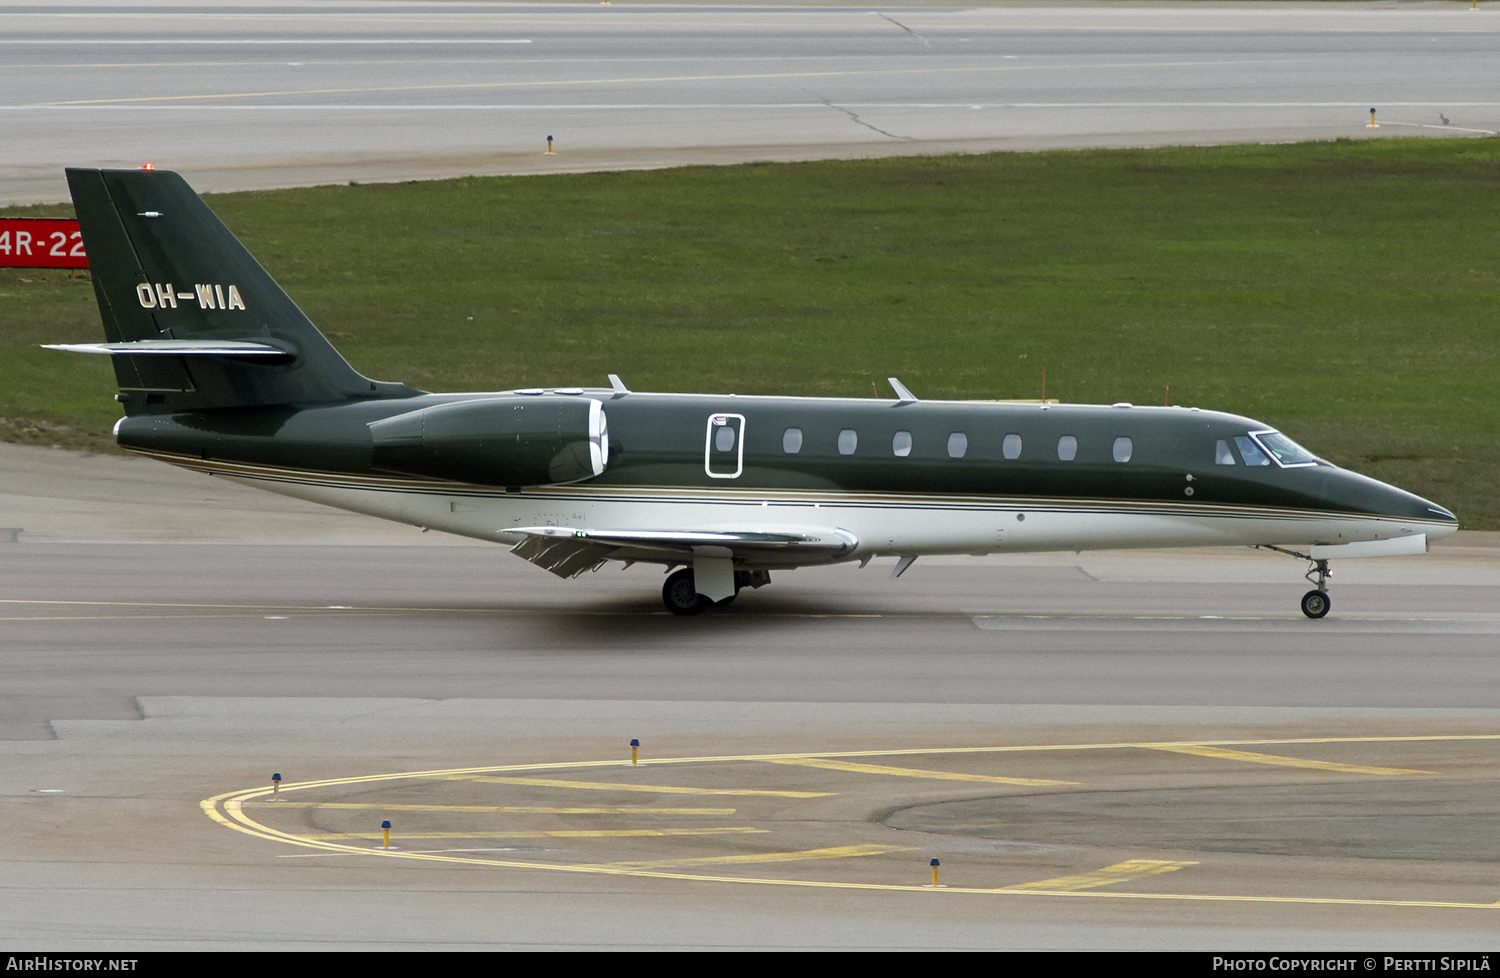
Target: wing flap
563,556
569,551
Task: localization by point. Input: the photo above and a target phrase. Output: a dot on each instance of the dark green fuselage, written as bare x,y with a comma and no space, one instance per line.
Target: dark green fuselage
660,440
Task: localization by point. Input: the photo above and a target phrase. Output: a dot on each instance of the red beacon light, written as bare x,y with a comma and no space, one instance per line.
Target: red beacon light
148,165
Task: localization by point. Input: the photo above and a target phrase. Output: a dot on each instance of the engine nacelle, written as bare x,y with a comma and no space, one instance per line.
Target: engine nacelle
511,441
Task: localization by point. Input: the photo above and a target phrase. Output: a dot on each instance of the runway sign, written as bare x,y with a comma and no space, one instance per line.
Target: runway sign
27,242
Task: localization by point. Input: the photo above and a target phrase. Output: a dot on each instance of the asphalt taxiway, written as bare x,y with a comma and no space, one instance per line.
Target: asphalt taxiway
1101,750
298,92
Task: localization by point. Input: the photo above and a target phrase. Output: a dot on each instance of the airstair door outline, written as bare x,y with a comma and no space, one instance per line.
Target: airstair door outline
724,446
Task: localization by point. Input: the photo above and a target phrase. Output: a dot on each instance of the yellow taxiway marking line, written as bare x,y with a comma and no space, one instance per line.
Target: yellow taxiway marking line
233,817
906,772
1253,758
836,852
155,617
473,773
651,788
426,62
661,79
542,834
501,809
1118,873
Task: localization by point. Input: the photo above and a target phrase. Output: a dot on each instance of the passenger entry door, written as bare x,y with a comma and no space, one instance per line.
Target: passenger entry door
724,446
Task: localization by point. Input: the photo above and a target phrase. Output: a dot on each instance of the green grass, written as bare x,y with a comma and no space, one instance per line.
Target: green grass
1343,291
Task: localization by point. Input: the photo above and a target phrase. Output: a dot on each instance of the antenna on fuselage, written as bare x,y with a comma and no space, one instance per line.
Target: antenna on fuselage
903,396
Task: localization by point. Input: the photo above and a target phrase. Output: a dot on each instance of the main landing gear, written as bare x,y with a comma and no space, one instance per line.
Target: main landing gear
680,593
1315,603
681,596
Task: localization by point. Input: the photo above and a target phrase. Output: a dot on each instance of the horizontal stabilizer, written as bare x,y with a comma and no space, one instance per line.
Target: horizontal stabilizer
1397,547
234,349
568,552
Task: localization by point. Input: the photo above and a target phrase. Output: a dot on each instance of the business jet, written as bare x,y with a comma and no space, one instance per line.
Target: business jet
219,371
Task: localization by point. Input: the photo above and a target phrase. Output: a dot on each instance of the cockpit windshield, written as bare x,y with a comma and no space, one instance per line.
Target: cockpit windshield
1284,450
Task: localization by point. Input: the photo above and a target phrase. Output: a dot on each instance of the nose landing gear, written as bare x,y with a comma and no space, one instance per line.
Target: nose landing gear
1315,603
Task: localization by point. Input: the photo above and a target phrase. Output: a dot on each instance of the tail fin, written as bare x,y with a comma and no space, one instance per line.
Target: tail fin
191,319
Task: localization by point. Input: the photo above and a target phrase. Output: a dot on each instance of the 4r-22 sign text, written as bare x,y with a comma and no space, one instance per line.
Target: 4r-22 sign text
27,242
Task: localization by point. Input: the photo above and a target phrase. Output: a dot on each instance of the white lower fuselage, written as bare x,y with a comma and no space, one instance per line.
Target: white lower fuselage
883,524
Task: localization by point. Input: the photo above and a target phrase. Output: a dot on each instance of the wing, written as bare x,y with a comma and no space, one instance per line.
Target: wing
568,552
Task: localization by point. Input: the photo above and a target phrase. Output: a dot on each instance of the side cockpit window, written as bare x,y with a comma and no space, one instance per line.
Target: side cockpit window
1250,452
1222,454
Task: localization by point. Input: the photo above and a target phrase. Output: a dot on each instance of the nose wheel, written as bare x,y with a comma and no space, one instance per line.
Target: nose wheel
1315,604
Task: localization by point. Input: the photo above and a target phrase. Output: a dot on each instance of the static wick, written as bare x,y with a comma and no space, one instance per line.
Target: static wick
1167,400
635,746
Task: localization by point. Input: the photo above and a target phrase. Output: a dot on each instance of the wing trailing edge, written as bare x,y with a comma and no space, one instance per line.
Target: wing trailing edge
568,552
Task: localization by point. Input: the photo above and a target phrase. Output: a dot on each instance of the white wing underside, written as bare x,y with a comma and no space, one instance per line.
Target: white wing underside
568,551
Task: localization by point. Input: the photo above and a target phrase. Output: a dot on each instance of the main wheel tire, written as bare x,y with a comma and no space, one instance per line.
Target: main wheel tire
680,594
1315,604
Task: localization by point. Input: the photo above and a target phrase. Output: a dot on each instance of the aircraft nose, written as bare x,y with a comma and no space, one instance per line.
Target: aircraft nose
1361,493
1439,512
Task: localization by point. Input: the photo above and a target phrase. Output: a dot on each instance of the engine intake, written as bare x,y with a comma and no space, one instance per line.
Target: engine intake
530,441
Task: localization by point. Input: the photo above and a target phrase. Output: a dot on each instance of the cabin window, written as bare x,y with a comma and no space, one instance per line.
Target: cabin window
724,439
901,444
1067,448
958,444
791,441
1222,454
1250,452
1011,447
1123,448
848,439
